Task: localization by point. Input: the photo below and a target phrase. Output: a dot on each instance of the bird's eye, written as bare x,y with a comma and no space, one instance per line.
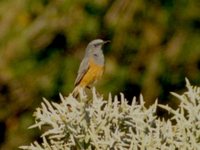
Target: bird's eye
96,45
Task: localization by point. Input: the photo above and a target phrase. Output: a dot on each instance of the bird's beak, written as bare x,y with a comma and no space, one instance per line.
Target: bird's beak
104,42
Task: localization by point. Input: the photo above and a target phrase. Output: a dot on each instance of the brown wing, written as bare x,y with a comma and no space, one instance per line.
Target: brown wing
84,66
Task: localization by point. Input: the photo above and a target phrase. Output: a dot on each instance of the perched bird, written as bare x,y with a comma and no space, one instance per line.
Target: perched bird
91,67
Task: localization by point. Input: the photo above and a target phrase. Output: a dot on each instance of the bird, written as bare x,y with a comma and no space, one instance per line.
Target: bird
91,68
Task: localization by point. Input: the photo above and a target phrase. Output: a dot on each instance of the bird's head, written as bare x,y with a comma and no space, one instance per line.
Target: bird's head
96,45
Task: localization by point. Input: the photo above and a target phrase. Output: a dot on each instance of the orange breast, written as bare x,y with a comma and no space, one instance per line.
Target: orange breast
93,74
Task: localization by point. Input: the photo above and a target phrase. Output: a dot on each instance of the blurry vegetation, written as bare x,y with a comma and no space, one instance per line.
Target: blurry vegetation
155,45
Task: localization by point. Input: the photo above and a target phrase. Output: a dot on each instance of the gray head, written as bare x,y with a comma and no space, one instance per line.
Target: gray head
97,42
95,45
94,49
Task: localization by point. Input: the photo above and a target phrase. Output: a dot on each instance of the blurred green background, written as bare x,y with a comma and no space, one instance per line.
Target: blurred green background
155,45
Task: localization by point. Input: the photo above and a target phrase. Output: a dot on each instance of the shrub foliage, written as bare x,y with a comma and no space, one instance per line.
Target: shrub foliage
114,124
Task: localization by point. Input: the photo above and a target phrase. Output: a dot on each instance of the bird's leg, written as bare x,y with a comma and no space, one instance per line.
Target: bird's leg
98,94
78,91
